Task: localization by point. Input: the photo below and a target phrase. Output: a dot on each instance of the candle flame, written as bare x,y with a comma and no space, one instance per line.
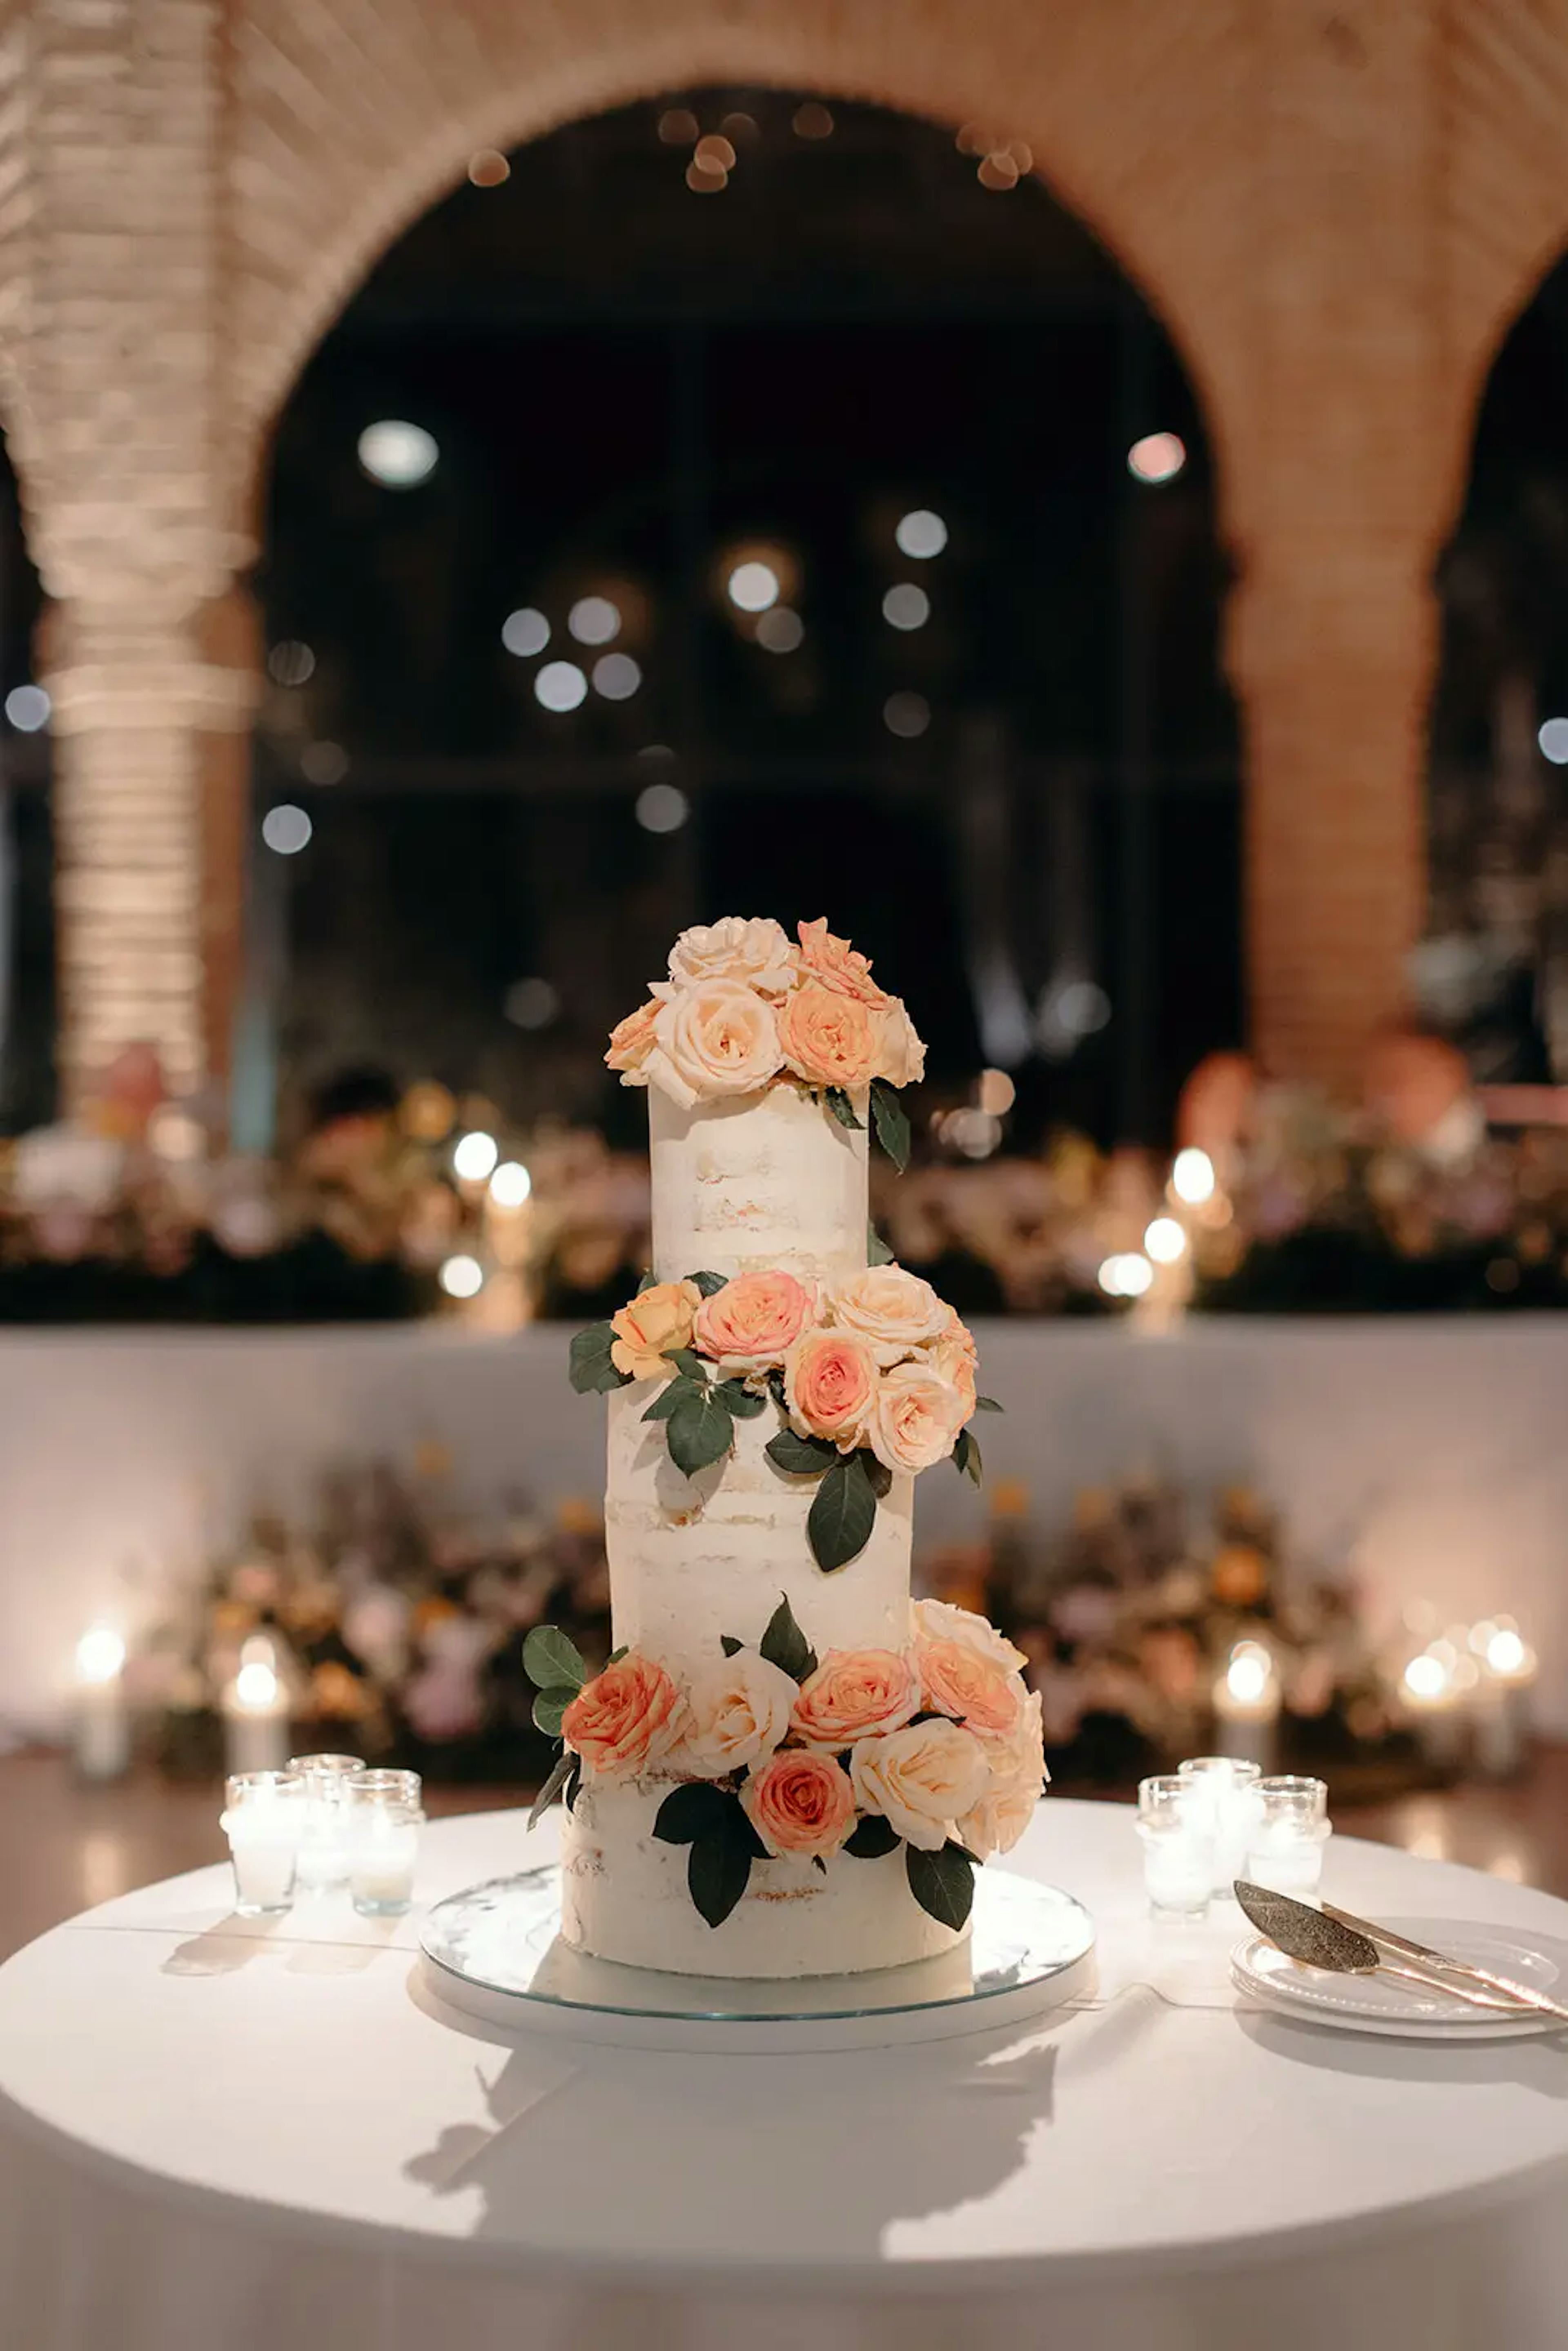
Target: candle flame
255,1687
1248,1674
101,1654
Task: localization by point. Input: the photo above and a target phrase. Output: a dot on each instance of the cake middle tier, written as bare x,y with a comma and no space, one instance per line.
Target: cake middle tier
755,1182
693,1558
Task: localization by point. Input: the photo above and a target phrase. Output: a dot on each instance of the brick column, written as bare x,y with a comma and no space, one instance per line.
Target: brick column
1332,648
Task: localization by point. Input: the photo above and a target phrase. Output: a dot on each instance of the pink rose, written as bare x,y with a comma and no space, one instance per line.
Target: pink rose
653,1326
741,1708
938,1620
753,950
631,1041
915,1419
958,1681
829,1039
625,1718
834,963
923,1780
830,1385
719,1038
903,1053
895,1311
854,1693
753,1322
800,1803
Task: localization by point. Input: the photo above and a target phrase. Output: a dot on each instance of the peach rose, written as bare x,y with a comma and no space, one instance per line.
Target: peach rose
893,1311
830,1385
829,1039
631,1041
800,1803
996,1823
719,1038
915,1419
753,1322
854,1693
835,963
938,1620
923,1780
903,1053
752,949
653,1326
739,1712
958,1681
625,1718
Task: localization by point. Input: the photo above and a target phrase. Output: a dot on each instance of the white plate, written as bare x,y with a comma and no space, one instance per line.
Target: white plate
1386,2005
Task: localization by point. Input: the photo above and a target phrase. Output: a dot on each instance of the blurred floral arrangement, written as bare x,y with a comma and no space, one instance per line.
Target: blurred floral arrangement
393,1620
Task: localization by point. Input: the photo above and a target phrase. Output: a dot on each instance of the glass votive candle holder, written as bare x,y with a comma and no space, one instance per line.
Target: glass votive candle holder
324,1850
264,1820
1227,1789
384,1820
1177,1829
1286,1852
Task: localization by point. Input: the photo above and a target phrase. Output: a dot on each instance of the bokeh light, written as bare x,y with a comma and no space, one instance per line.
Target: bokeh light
781,630
594,621
1157,458
290,662
475,1156
616,676
510,1185
560,685
27,707
1165,1241
531,1003
905,606
398,454
524,632
462,1277
286,829
661,808
1192,1176
753,586
1553,741
906,715
920,535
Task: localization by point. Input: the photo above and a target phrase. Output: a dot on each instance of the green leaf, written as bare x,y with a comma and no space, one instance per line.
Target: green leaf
891,1120
843,1515
785,1645
574,1782
592,1373
551,1659
701,1430
776,1388
729,1644
718,1871
668,1397
552,1787
967,1457
687,1359
876,1250
549,1709
616,1656
696,1809
879,1473
942,1883
742,1402
649,1281
708,1283
872,1839
800,1456
843,1110
988,1404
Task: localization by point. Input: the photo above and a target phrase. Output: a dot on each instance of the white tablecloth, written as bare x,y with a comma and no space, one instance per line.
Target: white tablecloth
216,2135
1427,1452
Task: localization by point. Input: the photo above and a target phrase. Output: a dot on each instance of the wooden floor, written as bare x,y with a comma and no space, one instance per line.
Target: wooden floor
64,1847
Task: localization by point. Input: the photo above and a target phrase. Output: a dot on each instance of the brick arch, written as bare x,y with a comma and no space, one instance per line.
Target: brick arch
380,112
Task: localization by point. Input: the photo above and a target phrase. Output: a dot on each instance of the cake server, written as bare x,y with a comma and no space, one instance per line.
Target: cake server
1385,1938
1319,1941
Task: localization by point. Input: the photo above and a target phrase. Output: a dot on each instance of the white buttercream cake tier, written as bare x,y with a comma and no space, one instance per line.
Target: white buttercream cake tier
757,1181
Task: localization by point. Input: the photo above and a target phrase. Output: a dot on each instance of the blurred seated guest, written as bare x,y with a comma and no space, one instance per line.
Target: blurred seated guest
930,1244
353,1165
1418,1093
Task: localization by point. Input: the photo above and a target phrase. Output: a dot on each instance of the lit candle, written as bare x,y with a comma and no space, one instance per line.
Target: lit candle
1286,1852
1247,1704
324,1851
384,1816
1226,1790
1508,1667
1431,1693
102,1720
1175,1824
255,1711
263,1820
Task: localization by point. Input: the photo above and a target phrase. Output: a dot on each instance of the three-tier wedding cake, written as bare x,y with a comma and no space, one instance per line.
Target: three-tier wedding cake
787,1767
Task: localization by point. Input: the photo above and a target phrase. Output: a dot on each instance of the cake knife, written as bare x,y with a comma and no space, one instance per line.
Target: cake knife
1319,1941
1386,1936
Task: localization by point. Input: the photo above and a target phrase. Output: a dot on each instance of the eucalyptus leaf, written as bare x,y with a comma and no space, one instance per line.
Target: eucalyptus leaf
872,1838
942,1883
701,1430
549,1710
800,1456
742,1401
989,1404
551,1659
785,1645
891,1120
843,1515
552,1787
696,1809
843,1110
708,1283
591,1371
877,1251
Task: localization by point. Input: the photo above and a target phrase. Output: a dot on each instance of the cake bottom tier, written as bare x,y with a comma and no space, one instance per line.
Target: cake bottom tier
624,1896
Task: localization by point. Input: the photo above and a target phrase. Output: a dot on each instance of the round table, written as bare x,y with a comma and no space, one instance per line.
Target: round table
216,2131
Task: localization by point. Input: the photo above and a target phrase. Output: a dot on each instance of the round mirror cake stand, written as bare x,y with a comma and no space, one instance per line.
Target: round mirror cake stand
495,1952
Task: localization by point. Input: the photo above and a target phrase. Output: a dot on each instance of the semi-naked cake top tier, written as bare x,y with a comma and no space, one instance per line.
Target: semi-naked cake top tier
755,1182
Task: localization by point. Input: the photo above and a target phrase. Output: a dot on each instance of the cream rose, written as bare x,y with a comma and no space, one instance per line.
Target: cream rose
915,1419
753,1322
1000,1818
631,1041
800,1803
893,1311
958,1681
954,1358
739,1711
837,965
854,1693
625,1718
938,1620
752,949
653,1326
829,1386
829,1039
716,1039
923,1780
903,1061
